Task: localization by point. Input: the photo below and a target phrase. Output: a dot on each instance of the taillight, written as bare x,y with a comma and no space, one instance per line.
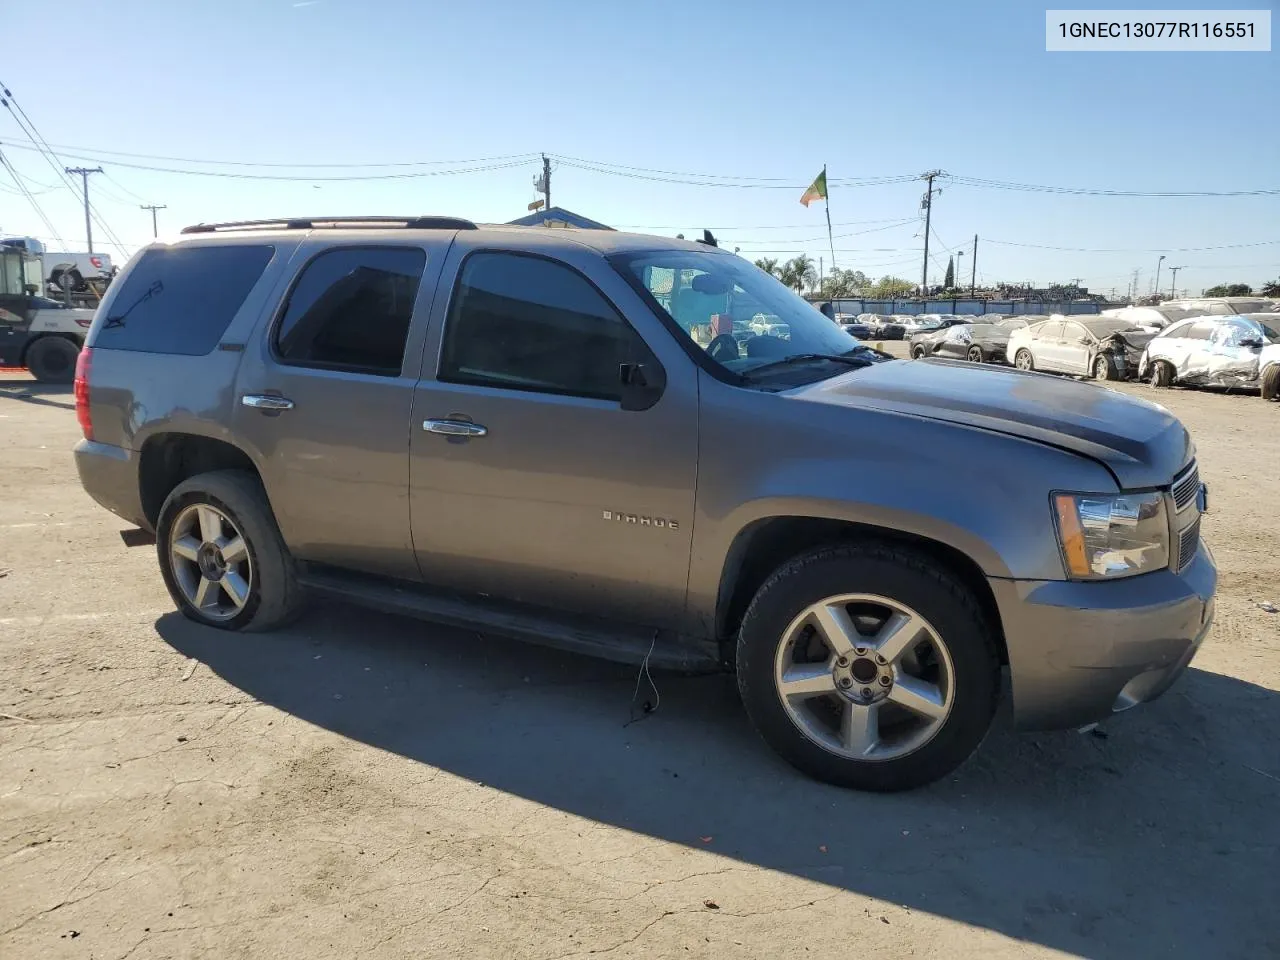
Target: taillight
96,261
84,363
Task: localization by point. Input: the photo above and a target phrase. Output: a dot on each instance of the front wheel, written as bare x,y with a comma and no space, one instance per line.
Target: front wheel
221,554
1022,360
918,353
1104,368
975,355
868,666
1161,373
1271,382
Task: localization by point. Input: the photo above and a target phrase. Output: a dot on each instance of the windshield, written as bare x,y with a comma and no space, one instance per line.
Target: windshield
741,316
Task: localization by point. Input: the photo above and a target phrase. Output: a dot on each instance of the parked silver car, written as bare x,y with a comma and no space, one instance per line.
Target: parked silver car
1103,347
1236,351
521,430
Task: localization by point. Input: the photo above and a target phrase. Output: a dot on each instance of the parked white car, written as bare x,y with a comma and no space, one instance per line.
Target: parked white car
1234,351
1153,318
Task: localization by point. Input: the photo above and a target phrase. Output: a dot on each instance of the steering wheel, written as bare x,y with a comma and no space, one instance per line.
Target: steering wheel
723,348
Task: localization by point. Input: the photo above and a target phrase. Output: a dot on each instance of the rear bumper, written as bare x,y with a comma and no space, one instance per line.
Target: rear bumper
109,474
1079,652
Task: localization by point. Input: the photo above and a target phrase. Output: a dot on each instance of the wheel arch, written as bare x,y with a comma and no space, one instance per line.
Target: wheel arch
167,459
765,544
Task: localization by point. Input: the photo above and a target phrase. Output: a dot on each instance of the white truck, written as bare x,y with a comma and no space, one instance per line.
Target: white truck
36,332
80,275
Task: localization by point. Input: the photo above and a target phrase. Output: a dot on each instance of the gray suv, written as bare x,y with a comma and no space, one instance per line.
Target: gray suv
651,451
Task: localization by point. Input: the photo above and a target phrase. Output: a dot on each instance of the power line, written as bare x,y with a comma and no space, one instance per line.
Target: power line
1087,191
1041,246
293,177
4,161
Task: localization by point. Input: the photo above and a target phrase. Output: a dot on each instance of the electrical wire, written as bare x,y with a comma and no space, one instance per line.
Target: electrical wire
35,204
1091,192
289,177
1041,246
92,153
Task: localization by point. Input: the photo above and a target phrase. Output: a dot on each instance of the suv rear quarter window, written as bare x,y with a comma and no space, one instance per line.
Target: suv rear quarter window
180,300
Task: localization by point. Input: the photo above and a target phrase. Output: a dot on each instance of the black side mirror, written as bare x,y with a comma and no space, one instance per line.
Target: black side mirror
642,384
1252,343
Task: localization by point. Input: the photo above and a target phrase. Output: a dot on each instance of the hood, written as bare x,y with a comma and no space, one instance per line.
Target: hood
1142,444
1137,339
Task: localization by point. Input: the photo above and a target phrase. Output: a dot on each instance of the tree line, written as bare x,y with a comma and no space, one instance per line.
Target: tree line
801,275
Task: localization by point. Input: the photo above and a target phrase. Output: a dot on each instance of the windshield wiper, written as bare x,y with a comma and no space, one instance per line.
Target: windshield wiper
117,320
852,361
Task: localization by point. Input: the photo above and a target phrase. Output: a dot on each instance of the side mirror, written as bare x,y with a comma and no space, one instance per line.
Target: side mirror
1252,343
642,385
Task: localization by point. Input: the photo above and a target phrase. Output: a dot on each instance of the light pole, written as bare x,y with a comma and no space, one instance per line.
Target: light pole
959,270
1156,289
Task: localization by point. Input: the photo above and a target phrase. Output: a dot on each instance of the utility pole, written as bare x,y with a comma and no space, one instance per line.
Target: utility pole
973,277
1155,287
546,179
84,177
1173,287
155,230
927,203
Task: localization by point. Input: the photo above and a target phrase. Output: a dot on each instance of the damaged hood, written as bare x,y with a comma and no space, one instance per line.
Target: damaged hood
1144,445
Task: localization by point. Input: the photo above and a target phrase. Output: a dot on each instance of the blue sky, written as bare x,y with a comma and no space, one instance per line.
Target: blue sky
733,89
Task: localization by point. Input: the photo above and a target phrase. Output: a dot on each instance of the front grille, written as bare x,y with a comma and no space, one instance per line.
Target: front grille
1186,487
1188,543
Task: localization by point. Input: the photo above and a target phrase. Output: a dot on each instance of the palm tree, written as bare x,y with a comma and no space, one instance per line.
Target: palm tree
799,273
769,265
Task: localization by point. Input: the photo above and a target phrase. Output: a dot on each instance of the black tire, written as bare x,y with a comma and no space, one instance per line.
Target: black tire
900,575
918,353
975,355
275,596
1271,382
1104,367
53,360
1023,360
1161,374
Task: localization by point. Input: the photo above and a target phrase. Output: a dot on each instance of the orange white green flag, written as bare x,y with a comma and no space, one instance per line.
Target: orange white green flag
817,190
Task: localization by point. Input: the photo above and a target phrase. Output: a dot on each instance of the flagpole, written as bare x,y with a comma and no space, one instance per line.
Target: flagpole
830,239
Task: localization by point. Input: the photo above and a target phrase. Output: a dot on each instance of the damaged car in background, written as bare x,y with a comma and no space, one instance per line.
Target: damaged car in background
1107,348
979,342
1236,351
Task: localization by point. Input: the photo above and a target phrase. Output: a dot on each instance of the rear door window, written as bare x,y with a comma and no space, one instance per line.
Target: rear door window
350,309
180,300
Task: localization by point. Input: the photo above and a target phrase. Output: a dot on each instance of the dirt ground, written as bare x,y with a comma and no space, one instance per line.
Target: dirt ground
363,785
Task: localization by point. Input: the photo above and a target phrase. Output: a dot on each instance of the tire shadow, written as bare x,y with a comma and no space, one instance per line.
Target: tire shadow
1158,838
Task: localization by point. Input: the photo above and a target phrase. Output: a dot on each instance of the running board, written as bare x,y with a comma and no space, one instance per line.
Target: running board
607,640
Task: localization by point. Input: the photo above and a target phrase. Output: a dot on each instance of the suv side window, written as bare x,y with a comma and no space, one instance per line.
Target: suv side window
1221,310
350,309
527,323
181,299
1200,330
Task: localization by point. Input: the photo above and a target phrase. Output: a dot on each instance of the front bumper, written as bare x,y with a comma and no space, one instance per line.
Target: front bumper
1080,651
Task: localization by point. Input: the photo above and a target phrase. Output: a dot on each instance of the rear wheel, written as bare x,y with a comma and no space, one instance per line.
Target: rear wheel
975,354
221,554
1161,373
1104,367
52,360
868,667
1271,382
1022,360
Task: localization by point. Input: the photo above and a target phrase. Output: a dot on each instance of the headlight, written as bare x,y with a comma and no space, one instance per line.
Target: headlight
1104,536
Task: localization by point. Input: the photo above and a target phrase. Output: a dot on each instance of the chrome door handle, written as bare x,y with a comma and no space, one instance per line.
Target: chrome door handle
454,428
264,401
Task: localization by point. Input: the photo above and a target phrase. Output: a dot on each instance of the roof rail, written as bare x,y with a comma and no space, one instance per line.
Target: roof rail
308,223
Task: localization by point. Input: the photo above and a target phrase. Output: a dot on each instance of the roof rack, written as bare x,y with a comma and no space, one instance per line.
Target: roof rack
308,223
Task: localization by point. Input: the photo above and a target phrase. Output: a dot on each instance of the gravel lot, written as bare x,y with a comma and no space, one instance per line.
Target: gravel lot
363,785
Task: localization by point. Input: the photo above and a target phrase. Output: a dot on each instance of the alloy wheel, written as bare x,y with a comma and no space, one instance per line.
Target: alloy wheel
210,561
864,677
